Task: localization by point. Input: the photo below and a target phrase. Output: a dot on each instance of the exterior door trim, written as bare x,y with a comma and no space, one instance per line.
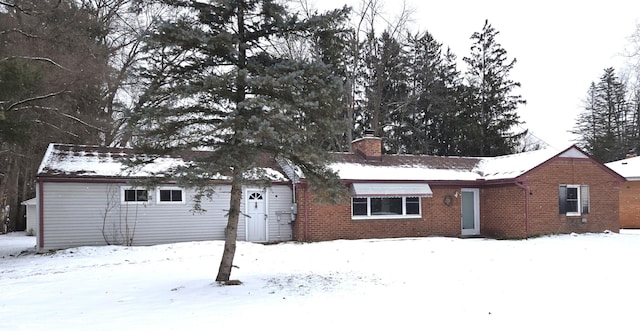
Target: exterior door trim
476,213
248,192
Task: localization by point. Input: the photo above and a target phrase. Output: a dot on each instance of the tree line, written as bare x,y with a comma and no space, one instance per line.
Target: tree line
170,75
609,125
66,75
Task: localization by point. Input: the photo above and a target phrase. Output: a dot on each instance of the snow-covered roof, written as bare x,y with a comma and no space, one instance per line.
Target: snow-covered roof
103,162
512,166
73,161
350,166
359,171
628,168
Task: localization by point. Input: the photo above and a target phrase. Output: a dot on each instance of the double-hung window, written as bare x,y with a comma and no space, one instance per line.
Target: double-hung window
385,207
573,200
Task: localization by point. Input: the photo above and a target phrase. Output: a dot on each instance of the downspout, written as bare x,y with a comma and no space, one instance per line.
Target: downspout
527,191
306,213
40,215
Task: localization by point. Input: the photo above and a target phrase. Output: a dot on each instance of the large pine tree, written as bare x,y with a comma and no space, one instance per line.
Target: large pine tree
385,88
491,103
429,122
605,126
216,83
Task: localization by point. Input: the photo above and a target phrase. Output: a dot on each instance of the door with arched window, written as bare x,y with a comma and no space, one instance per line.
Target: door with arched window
256,215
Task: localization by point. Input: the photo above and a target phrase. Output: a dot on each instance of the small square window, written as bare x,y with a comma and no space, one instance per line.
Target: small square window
168,195
135,195
413,206
360,206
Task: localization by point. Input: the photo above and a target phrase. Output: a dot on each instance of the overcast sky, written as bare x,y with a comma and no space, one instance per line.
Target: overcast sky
560,47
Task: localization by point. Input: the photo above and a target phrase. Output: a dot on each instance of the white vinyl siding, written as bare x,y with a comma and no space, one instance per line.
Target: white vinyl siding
74,214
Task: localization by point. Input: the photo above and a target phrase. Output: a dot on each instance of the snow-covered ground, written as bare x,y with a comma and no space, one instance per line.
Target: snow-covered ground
566,282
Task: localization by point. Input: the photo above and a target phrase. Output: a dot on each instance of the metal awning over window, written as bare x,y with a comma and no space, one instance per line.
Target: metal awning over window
391,190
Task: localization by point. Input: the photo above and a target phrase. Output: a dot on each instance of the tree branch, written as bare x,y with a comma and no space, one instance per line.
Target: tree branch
36,58
40,97
56,110
81,121
19,32
16,7
55,127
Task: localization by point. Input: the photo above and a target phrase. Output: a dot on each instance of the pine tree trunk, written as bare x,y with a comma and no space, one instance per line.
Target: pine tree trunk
231,232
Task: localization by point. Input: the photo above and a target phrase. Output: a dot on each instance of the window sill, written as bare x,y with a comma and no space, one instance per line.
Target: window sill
386,218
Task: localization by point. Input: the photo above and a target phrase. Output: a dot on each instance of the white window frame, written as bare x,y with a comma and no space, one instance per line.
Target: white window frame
404,209
170,188
123,189
579,204
583,197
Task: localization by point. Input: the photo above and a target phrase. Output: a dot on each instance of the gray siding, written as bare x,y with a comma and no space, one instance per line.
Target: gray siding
279,227
74,214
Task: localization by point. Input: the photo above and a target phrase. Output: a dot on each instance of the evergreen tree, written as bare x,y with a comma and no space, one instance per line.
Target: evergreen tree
386,89
603,126
429,125
490,104
216,83
633,125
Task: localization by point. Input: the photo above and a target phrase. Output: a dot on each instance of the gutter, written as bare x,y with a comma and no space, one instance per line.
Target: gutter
527,191
306,213
40,204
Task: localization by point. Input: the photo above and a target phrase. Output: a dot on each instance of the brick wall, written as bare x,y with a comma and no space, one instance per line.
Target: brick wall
502,212
329,222
544,216
630,205
502,209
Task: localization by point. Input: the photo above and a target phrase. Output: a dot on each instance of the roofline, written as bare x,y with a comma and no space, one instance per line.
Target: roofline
45,157
122,180
441,183
589,157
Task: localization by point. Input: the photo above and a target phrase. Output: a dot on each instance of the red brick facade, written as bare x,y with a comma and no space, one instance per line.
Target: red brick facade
630,205
319,222
504,212
507,209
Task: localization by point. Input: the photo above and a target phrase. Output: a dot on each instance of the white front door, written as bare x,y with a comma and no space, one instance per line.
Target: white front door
470,211
256,216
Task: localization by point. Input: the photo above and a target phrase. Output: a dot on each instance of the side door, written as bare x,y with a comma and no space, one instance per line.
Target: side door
256,215
470,211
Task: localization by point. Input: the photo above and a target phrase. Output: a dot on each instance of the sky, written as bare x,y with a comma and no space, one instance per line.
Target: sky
560,47
563,282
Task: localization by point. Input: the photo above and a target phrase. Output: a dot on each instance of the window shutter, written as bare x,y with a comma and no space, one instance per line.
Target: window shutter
562,198
584,196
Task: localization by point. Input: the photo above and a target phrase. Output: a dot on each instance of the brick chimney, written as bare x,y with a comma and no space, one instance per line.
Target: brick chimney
368,147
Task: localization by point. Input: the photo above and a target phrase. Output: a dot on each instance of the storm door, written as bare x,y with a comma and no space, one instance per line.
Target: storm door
470,211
